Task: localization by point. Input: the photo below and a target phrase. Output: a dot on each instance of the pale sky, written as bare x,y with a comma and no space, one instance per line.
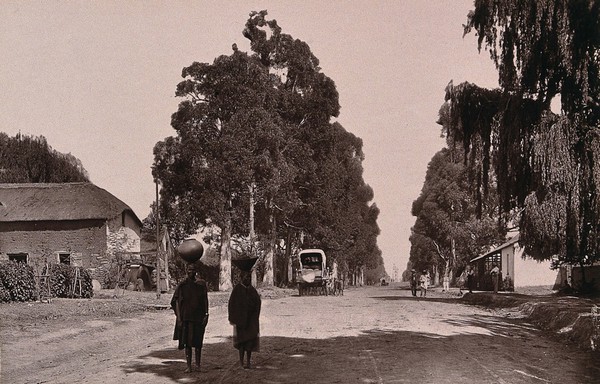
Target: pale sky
98,80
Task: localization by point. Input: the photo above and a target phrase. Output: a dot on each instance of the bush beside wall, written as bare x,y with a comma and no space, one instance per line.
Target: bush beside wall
17,281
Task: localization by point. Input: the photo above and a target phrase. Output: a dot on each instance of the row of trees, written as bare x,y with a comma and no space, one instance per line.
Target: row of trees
538,167
257,156
29,159
448,232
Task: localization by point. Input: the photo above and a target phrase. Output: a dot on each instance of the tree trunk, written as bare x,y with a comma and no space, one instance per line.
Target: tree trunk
436,275
268,279
288,250
449,262
251,232
225,257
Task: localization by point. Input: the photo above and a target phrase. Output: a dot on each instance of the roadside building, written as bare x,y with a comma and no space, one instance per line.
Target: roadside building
78,224
516,268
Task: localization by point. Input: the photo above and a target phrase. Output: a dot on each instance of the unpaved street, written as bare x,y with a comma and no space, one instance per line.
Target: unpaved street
370,335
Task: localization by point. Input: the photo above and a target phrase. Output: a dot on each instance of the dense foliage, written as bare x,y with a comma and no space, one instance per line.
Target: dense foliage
257,156
29,159
17,282
447,231
545,163
62,282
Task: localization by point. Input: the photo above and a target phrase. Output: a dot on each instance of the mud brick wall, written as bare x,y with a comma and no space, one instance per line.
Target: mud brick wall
42,241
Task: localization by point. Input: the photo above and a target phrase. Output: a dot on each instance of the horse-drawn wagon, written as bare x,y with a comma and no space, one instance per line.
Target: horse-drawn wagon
313,276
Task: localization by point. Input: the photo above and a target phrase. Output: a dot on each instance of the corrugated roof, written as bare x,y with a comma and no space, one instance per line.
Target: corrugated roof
510,241
58,201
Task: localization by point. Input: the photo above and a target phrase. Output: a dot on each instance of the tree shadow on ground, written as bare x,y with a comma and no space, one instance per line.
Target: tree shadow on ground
451,300
488,299
473,349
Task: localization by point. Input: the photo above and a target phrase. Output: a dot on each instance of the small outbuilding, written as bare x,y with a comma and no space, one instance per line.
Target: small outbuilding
516,268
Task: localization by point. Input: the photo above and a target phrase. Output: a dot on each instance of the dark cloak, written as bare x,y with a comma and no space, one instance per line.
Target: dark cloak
244,312
190,303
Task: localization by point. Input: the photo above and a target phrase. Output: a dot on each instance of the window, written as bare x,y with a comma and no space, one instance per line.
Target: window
310,258
491,260
18,257
64,258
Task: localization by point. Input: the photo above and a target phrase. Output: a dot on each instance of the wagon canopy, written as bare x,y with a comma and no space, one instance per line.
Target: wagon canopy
313,258
312,266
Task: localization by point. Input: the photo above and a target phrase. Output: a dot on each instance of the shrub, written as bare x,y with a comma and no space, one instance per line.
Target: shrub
18,280
4,294
61,280
109,275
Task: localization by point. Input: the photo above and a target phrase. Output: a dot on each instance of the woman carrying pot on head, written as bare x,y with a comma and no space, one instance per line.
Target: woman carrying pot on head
244,312
190,303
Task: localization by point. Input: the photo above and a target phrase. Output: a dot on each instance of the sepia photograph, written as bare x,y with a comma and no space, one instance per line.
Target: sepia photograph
300,191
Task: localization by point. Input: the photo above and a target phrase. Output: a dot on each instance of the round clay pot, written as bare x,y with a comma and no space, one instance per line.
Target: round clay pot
190,250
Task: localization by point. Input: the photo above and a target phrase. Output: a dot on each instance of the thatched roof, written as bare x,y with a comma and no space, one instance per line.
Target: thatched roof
57,202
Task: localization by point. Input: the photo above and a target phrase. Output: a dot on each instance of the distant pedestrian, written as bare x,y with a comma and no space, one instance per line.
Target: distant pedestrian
413,282
244,312
446,283
190,303
424,283
507,284
470,279
495,272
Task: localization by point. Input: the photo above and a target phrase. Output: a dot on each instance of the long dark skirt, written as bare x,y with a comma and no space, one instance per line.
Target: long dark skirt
189,334
246,339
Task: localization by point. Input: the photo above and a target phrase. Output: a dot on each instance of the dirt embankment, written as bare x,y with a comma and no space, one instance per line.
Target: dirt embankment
564,317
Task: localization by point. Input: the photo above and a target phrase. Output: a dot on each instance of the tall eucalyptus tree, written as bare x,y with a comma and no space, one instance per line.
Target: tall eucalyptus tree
226,132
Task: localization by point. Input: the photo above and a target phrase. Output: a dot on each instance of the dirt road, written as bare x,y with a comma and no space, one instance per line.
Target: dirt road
370,335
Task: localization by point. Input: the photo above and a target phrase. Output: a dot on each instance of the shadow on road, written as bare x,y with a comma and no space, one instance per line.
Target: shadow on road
487,299
451,300
481,349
